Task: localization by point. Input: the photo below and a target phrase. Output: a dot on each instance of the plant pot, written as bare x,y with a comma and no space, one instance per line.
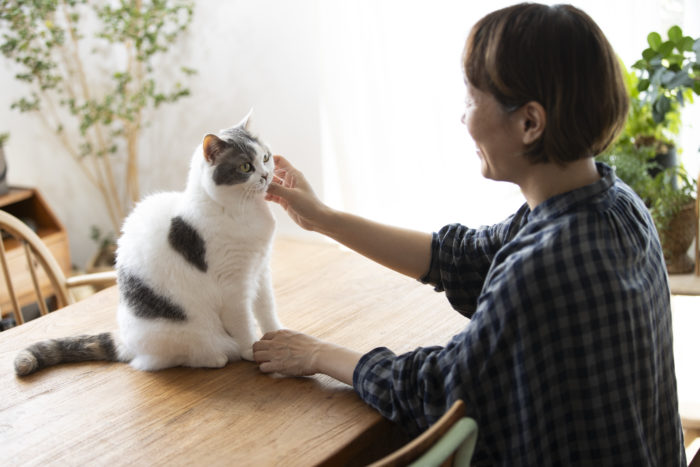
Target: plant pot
676,241
665,160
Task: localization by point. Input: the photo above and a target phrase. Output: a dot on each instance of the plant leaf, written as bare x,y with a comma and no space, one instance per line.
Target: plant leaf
668,76
681,78
643,85
648,54
675,34
666,48
654,40
660,107
686,44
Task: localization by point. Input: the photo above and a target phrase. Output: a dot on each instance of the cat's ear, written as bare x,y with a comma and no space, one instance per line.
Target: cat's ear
245,123
212,146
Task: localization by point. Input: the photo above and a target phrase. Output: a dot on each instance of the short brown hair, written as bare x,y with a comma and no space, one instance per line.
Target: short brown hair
559,57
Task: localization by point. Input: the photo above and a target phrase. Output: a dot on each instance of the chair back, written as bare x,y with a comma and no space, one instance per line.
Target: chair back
449,441
455,448
25,259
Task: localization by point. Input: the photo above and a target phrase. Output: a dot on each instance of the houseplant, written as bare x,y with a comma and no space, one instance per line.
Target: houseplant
89,67
644,155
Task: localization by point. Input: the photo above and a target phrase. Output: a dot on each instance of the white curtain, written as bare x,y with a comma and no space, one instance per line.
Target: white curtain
391,98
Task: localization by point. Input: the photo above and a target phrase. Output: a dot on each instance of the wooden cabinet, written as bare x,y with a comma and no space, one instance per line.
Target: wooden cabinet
28,205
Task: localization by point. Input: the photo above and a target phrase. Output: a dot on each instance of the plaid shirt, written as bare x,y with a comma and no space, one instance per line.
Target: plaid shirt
568,357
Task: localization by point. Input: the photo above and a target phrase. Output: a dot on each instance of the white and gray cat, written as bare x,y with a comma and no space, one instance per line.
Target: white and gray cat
193,268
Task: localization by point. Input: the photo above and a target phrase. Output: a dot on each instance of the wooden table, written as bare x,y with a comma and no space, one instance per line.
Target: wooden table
109,414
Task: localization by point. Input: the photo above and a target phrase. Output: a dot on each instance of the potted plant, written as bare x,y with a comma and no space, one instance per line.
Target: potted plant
644,156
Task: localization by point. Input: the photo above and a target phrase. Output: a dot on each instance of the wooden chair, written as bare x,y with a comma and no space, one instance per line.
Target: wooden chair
450,441
40,264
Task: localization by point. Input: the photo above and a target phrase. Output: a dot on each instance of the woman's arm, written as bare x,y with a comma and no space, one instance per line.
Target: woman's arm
403,250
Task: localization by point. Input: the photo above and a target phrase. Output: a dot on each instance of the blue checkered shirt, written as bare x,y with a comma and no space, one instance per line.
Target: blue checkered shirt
568,356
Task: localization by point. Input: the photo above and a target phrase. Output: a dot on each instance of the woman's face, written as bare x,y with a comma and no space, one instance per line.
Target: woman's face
494,131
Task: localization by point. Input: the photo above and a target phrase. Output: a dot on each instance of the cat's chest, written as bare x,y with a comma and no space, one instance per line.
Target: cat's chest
237,243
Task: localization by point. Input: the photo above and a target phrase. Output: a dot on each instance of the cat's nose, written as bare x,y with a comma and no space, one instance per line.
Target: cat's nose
264,176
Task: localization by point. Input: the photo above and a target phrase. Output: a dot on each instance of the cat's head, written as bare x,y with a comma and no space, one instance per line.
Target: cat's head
235,161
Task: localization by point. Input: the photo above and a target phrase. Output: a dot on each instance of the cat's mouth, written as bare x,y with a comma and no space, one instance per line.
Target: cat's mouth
261,186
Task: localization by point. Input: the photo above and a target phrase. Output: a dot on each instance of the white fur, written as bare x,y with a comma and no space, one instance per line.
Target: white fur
223,303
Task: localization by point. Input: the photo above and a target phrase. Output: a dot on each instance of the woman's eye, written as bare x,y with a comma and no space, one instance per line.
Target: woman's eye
246,167
266,158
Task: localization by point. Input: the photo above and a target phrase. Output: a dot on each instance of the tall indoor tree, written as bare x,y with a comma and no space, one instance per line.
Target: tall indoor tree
92,69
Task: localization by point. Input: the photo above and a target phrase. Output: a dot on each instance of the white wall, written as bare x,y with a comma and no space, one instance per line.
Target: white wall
273,55
248,54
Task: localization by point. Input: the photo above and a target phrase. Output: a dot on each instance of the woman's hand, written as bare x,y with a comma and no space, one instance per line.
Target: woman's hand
403,250
287,352
292,353
291,190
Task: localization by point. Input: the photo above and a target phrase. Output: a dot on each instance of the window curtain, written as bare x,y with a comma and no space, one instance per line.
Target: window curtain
391,99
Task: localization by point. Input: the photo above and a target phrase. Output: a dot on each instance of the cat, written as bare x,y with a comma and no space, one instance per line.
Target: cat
192,268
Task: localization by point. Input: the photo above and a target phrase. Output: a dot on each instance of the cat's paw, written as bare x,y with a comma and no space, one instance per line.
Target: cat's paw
247,354
147,363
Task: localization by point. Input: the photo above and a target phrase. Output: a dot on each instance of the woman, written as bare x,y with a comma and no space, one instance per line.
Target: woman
568,356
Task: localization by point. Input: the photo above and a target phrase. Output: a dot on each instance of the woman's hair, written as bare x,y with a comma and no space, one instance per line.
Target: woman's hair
556,56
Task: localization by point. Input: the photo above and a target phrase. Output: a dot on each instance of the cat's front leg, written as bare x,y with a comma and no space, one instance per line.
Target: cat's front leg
264,305
238,323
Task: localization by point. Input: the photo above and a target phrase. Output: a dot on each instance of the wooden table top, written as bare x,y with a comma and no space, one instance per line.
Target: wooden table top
101,413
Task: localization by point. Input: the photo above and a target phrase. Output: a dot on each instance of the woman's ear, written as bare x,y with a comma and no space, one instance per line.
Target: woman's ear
532,121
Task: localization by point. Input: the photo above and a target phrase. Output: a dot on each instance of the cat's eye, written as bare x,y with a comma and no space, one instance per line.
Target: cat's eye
266,158
246,167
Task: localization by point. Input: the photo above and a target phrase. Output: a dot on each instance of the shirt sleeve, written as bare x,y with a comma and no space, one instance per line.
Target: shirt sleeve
414,389
461,258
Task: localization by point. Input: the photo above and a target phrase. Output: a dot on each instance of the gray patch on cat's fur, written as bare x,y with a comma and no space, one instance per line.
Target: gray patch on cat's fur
227,171
240,149
65,350
145,303
186,240
239,138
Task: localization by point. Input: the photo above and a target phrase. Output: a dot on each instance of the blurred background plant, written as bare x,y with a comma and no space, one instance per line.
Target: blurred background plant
89,68
645,155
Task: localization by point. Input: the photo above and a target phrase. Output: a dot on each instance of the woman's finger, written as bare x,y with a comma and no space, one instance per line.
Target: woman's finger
268,367
261,356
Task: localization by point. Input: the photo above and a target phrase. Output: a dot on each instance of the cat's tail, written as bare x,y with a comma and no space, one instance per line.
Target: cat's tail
67,350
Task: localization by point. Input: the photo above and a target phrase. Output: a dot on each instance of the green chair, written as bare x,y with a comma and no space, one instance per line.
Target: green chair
449,441
459,442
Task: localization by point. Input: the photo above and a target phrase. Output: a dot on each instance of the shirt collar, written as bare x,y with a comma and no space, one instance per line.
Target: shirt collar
559,204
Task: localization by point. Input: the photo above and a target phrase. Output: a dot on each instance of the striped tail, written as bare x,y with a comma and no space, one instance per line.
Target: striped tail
66,350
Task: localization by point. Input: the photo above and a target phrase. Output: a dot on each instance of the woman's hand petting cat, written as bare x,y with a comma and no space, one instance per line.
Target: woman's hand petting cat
287,352
291,190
